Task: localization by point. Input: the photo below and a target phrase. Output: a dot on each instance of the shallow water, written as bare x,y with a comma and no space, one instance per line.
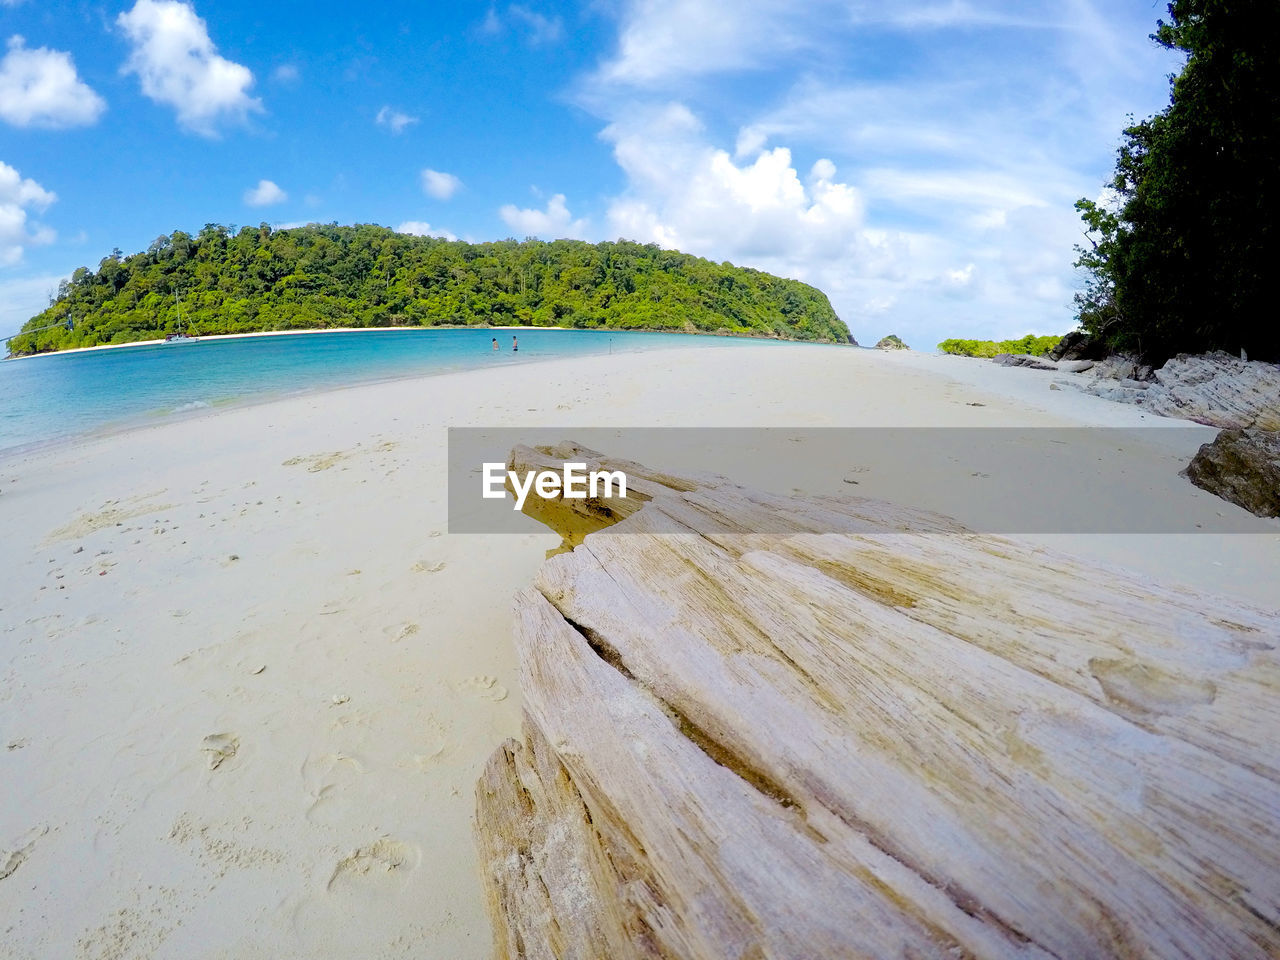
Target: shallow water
56,396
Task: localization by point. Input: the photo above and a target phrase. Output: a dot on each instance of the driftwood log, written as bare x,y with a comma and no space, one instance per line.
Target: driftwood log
919,742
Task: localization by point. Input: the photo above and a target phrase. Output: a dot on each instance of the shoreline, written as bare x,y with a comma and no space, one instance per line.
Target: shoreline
160,341
159,418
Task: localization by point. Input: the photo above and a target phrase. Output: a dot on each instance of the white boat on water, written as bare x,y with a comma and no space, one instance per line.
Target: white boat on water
179,336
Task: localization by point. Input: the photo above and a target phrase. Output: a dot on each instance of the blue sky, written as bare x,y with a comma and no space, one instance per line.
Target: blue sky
917,165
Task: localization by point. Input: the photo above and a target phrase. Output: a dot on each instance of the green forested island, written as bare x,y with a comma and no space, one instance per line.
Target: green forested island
325,275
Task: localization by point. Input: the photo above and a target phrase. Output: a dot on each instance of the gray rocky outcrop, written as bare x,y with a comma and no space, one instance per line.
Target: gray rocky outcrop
1075,366
1216,389
891,342
1022,360
1243,467
1119,366
1077,346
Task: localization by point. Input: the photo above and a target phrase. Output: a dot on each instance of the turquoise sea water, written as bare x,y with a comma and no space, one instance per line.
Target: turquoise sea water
63,395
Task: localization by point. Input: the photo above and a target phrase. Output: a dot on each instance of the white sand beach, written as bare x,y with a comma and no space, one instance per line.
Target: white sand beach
247,680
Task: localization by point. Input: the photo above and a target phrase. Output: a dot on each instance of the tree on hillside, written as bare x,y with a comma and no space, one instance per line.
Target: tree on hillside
324,275
1182,261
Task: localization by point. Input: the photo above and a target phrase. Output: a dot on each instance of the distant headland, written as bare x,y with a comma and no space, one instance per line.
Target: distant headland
256,279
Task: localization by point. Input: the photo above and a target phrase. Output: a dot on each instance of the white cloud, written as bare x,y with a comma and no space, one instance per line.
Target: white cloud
538,28
661,42
265,194
420,228
823,169
933,194
751,140
178,64
682,192
953,13
18,196
394,120
664,41
978,188
442,186
40,88
285,73
553,223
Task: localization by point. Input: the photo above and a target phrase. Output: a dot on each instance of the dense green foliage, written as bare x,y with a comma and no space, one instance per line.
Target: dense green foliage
368,276
1186,260
1030,344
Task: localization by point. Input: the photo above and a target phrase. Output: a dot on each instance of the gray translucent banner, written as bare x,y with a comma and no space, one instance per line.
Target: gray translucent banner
989,480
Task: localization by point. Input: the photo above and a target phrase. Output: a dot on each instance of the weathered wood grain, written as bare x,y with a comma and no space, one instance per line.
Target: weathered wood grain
833,742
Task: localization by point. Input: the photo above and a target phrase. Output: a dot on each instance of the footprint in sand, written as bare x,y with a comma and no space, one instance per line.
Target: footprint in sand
403,631
218,843
482,688
434,742
385,856
325,779
11,860
317,461
421,567
113,513
219,747
317,798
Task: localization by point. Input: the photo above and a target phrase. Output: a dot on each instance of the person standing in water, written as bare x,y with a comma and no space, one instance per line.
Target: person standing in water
515,345
495,344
